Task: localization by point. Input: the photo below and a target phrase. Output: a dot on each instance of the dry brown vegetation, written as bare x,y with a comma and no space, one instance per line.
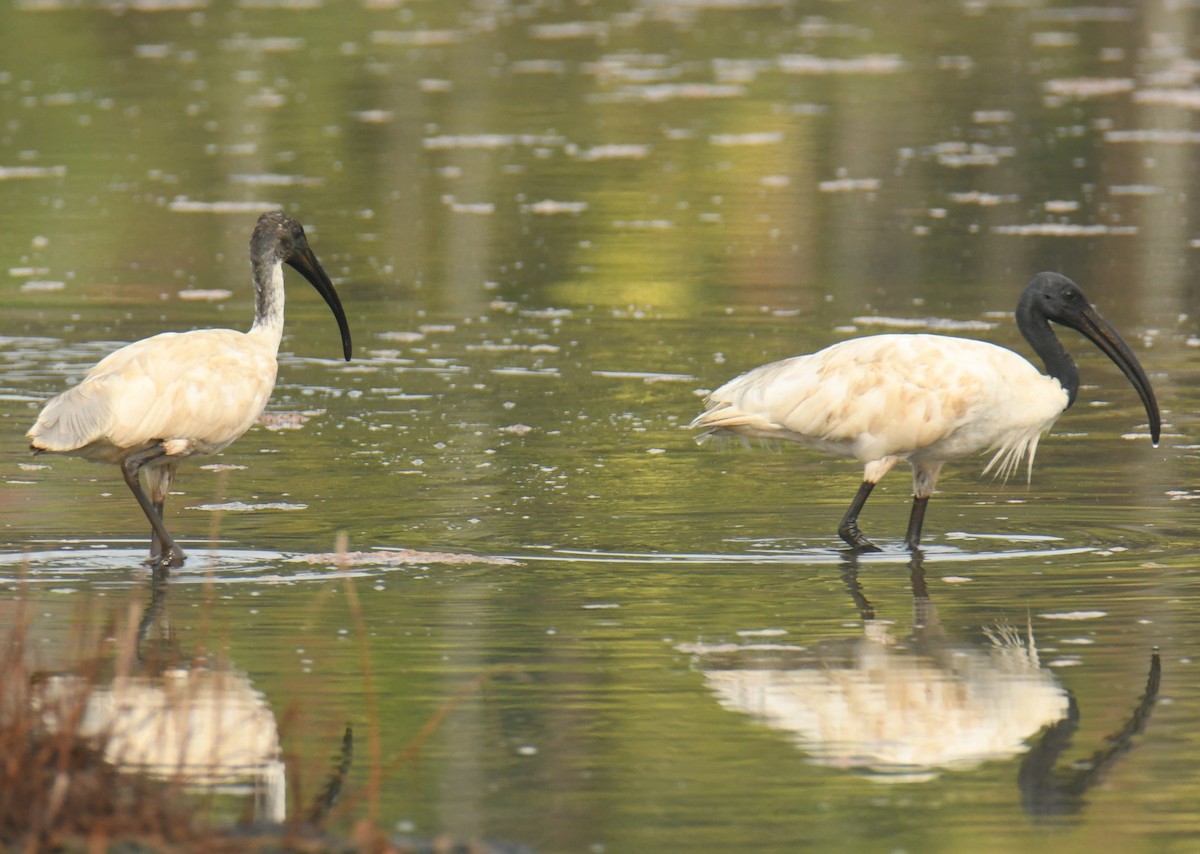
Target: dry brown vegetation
56,789
59,791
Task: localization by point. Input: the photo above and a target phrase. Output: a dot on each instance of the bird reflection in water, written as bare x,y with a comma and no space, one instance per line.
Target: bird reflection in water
199,726
1047,790
908,709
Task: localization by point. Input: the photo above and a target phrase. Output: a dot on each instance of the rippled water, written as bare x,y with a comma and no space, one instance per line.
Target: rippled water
553,228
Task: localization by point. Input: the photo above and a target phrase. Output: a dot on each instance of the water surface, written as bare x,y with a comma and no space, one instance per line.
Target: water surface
553,228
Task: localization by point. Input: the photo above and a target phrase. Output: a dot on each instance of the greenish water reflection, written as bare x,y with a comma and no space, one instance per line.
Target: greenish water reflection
553,227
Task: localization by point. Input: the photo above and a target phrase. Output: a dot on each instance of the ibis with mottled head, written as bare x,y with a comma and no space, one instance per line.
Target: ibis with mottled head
157,401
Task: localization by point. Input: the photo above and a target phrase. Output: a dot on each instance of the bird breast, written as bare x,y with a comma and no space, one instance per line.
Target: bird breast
201,389
892,395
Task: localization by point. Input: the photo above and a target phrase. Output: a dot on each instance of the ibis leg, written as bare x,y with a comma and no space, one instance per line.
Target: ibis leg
167,554
158,482
848,529
156,544
912,540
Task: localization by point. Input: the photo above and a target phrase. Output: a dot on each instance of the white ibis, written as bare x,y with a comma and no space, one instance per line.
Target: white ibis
179,394
925,399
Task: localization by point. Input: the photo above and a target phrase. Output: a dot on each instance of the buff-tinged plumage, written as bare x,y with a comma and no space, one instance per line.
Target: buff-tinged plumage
157,401
926,399
197,391
907,397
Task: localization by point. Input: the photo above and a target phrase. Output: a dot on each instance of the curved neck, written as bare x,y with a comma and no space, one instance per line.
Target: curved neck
1036,329
268,300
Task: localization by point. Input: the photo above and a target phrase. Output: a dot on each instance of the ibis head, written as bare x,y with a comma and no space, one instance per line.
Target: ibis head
280,238
1051,296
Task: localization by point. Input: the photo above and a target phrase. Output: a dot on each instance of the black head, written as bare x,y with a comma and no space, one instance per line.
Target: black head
276,237
1057,298
1051,296
279,239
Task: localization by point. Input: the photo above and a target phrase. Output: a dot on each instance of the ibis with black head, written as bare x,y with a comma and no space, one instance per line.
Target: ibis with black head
926,399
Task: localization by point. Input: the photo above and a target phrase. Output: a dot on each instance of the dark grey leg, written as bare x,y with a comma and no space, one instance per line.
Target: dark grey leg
916,519
848,529
156,545
163,551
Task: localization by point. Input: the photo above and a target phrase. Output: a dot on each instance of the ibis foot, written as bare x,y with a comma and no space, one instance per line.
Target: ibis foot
171,558
856,539
848,527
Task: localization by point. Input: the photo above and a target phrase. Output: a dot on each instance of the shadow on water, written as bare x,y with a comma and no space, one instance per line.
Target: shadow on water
906,709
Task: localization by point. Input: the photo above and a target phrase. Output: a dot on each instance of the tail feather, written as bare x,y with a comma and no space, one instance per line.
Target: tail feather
70,421
725,416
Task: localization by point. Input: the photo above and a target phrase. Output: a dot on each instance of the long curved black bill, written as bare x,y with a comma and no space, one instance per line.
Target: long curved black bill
1100,332
305,262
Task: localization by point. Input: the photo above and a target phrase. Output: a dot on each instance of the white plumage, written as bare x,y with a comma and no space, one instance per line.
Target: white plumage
202,389
159,400
924,399
845,400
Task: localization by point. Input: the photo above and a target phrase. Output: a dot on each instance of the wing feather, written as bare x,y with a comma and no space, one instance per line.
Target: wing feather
895,395
206,387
